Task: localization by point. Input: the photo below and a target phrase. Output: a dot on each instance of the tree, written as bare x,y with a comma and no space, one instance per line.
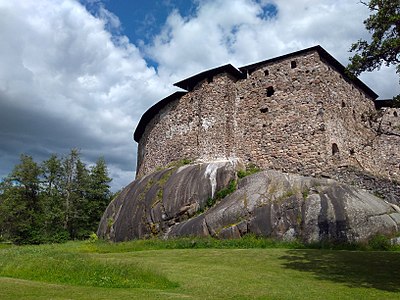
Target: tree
384,47
21,207
60,199
99,193
52,198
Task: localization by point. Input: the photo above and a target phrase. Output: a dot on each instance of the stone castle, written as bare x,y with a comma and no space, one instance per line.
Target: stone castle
298,113
315,134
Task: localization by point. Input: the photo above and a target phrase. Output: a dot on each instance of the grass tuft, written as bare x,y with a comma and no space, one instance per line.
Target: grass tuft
250,169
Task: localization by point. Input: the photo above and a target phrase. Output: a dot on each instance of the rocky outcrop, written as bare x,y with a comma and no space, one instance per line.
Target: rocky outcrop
178,201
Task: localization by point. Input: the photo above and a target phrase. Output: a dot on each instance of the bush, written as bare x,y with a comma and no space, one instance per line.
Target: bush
250,169
379,243
93,238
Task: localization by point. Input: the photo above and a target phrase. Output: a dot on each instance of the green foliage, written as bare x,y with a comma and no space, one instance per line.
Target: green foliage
250,169
248,241
57,200
305,193
93,238
21,209
179,163
384,47
221,194
379,242
175,164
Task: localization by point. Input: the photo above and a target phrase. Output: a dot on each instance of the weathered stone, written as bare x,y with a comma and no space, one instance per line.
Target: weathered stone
151,205
317,121
269,203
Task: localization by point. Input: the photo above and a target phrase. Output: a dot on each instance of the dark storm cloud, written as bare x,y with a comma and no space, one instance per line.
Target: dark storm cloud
68,82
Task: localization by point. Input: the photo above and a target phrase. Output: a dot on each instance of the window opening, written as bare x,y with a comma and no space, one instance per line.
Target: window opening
293,64
335,149
264,110
270,91
266,72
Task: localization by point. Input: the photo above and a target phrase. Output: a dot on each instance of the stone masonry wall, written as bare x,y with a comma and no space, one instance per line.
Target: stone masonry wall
305,119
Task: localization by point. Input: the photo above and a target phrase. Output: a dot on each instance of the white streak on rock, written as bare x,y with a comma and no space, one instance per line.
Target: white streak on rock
211,173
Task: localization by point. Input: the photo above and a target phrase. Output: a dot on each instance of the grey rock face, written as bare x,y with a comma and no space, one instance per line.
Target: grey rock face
153,204
170,203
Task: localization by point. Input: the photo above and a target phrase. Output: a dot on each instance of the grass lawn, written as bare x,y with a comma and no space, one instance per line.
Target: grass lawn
81,270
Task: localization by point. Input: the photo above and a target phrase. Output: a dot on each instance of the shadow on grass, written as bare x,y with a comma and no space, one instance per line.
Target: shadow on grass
379,270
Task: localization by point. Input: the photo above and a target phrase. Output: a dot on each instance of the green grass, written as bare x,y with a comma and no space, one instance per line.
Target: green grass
196,269
51,264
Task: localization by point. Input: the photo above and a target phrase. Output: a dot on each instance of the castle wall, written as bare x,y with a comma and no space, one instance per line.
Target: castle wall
313,122
199,125
382,153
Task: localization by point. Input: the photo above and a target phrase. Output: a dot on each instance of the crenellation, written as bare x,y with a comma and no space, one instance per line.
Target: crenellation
297,113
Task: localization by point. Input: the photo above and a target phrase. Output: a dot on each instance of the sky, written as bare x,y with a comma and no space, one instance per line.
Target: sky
79,74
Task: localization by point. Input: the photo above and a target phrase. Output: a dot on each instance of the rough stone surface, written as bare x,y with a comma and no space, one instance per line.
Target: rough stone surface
151,205
315,123
269,203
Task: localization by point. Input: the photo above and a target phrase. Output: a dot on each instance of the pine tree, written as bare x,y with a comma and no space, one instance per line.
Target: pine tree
99,193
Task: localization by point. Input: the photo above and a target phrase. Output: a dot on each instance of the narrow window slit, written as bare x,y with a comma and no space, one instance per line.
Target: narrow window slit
335,149
270,91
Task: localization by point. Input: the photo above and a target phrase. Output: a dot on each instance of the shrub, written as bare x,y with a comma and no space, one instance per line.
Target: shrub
379,242
250,169
93,238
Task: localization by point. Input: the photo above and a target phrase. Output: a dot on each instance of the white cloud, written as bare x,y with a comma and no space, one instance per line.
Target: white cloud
241,32
66,82
68,79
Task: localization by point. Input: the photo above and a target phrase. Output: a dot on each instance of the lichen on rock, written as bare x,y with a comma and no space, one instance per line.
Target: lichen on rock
268,203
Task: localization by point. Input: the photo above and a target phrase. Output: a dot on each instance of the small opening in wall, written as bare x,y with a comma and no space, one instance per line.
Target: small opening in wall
264,125
307,71
395,114
335,149
343,104
363,118
293,64
266,72
264,110
270,91
210,79
352,151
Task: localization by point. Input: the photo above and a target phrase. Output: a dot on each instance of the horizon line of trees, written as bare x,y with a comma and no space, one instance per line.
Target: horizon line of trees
54,201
